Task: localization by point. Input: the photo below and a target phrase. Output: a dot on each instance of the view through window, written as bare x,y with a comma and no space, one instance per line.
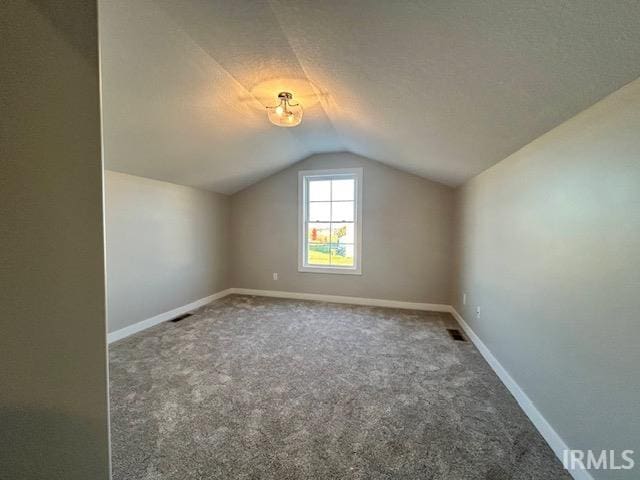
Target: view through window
330,227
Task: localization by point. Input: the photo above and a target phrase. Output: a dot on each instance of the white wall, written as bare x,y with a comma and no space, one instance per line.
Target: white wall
167,246
406,235
53,368
548,244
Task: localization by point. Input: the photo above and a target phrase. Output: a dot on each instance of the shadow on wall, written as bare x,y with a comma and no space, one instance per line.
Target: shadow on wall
73,30
30,444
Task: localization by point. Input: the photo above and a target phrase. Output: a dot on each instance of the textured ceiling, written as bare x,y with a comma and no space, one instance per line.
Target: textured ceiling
443,89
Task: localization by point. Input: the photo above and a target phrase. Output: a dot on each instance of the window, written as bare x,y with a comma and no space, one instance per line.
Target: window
330,221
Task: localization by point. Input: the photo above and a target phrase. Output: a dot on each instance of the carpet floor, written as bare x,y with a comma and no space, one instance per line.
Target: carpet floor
263,388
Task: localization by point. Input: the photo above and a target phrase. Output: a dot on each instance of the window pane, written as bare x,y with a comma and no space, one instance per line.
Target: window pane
343,189
318,233
319,190
342,233
319,211
318,254
342,255
342,212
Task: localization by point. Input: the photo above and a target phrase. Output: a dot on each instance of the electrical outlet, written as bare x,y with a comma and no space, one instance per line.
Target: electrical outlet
478,312
275,275
464,298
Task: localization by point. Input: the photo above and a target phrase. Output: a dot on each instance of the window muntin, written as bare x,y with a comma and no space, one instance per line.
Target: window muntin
330,221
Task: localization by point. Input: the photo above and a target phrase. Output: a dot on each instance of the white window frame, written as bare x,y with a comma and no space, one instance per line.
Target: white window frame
303,203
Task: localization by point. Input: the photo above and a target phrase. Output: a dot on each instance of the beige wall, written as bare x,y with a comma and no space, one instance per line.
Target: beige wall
53,372
548,244
406,235
167,246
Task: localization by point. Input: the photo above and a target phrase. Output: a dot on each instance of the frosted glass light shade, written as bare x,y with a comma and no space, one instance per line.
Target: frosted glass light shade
287,113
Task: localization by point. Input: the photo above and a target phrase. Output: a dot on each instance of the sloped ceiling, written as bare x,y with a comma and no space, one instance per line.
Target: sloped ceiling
440,88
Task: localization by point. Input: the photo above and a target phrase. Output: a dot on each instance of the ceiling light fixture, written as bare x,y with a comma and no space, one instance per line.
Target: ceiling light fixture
286,113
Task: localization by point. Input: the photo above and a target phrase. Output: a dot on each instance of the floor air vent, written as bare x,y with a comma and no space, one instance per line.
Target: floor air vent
181,317
456,334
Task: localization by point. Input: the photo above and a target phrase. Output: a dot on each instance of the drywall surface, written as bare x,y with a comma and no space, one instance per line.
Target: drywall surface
548,245
167,246
442,89
406,235
53,368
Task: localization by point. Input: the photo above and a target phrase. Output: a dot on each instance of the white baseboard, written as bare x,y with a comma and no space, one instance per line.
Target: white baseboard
163,317
546,430
373,302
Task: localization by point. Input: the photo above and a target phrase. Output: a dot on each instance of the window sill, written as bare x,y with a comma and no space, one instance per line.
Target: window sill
331,270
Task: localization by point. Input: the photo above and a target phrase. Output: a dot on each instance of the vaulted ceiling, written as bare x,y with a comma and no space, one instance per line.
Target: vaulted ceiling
440,88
